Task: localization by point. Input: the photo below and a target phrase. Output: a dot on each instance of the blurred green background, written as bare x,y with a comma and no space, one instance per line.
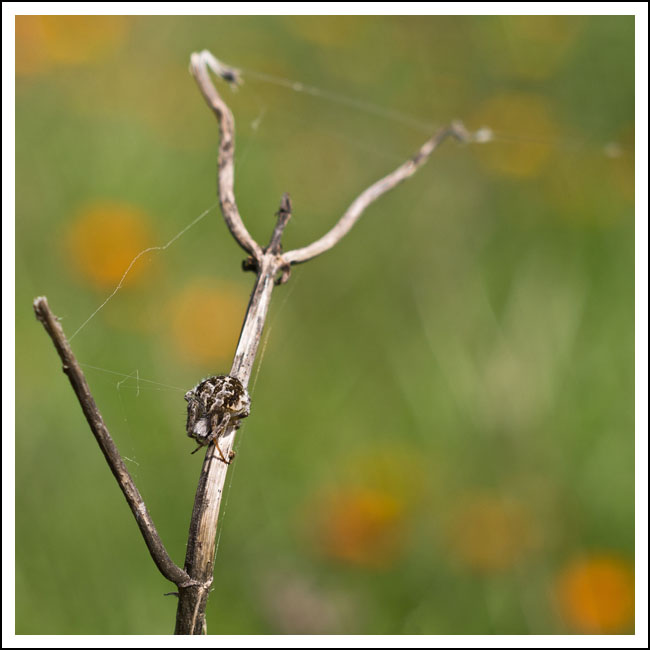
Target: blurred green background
442,430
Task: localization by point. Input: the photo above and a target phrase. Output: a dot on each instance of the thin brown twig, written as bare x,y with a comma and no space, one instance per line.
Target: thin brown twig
199,64
371,194
80,386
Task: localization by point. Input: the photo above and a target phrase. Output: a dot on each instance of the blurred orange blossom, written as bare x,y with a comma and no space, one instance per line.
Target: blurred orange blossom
595,594
359,526
205,320
102,241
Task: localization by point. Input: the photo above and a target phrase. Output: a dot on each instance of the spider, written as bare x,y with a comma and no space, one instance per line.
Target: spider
211,406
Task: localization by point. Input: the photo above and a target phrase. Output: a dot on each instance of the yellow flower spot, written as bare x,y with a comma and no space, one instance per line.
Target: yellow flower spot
42,41
206,321
526,47
103,240
398,466
359,526
31,57
328,30
490,533
524,131
596,594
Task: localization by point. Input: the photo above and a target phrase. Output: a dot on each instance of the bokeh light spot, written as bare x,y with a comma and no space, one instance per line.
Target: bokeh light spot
42,41
594,187
31,56
205,322
489,533
358,526
524,132
327,30
596,594
527,47
103,240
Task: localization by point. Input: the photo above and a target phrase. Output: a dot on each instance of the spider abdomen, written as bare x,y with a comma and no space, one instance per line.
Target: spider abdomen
212,405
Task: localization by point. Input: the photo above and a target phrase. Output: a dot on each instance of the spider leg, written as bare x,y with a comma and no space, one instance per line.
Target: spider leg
219,426
223,458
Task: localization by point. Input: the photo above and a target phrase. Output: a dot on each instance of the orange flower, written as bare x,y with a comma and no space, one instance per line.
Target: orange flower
104,239
206,320
596,594
42,41
359,526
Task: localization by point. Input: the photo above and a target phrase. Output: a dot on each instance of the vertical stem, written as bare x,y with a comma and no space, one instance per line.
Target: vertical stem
199,559
251,333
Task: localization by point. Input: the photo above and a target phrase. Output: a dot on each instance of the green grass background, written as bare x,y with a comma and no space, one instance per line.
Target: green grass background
442,425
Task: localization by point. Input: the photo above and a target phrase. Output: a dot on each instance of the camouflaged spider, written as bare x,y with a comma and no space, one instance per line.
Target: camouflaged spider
211,406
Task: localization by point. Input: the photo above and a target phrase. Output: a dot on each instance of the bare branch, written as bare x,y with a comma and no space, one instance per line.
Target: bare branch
108,447
199,64
199,558
370,195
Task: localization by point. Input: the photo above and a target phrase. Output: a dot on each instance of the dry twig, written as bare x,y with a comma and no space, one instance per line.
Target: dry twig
199,64
134,499
376,190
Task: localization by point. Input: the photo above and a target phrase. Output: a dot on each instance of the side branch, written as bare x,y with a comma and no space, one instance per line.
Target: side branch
80,386
371,194
199,64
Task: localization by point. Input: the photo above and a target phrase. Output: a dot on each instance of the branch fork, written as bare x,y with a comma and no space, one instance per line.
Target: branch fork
272,267
203,61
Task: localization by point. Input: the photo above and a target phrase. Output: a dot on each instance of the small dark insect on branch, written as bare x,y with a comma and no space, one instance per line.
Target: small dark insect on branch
210,426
